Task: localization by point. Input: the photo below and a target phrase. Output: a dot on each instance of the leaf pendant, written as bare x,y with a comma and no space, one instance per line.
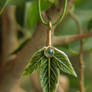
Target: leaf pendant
50,61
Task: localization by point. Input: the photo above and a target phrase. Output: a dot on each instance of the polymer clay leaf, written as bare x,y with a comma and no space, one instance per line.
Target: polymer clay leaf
49,74
3,4
34,62
63,62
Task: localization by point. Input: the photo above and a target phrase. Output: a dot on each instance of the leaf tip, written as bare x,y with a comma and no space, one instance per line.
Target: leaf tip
74,74
25,73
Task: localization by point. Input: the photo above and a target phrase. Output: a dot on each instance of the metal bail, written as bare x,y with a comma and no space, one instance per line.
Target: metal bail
50,25
49,34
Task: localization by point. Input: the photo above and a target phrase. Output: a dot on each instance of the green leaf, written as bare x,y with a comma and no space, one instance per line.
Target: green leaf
83,4
89,25
50,61
3,4
45,4
34,62
63,62
17,2
32,14
20,14
49,74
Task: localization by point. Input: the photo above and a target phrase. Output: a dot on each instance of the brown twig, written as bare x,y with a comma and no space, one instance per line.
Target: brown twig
81,67
68,39
81,53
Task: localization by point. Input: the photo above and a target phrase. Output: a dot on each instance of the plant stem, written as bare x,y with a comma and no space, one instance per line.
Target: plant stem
81,52
81,67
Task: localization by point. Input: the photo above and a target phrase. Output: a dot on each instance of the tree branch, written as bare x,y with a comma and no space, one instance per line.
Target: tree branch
13,70
9,40
68,39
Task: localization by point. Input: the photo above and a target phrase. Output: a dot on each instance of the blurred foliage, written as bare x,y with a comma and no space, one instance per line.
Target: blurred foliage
27,17
83,4
20,11
3,4
32,14
90,25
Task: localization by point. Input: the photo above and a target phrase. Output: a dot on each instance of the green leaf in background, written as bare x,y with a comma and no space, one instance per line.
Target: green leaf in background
90,25
32,14
3,4
50,61
20,14
45,4
16,2
83,4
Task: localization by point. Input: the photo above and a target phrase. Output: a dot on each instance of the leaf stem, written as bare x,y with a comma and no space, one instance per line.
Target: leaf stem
49,71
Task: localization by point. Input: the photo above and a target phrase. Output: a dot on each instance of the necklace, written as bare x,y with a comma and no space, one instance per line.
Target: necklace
50,60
